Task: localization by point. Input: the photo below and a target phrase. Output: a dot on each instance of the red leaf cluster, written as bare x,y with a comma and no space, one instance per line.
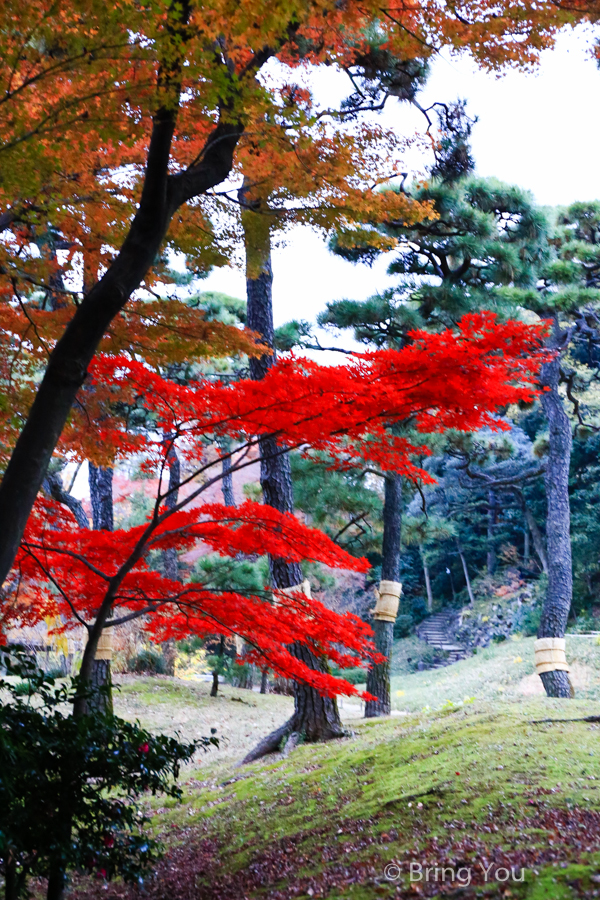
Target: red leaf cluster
447,380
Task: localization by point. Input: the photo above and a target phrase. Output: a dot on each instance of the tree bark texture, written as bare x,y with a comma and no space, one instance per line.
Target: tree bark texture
378,678
316,718
227,479
101,699
101,499
53,484
170,559
557,602
264,681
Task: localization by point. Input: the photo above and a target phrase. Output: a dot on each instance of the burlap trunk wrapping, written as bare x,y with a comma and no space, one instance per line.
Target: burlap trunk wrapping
104,650
550,655
303,588
388,600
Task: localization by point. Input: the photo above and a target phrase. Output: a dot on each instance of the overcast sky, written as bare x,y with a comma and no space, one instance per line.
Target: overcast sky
540,131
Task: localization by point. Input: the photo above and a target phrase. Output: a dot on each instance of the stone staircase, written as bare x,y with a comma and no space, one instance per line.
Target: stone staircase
438,630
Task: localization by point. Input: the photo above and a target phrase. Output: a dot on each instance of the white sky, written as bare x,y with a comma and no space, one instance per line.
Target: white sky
540,131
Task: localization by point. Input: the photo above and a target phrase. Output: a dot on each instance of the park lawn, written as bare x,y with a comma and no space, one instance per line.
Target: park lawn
453,786
501,671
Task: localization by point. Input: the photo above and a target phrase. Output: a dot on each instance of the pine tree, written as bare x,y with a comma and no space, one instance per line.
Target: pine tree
485,235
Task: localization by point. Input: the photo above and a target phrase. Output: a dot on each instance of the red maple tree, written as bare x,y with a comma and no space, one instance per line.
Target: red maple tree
454,379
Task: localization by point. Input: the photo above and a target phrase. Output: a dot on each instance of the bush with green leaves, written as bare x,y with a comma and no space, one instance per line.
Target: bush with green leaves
148,661
70,785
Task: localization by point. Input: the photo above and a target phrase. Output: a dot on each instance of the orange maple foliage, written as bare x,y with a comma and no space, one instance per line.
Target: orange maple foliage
115,117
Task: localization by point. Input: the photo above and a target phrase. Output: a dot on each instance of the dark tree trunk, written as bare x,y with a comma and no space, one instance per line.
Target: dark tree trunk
378,678
316,718
170,560
56,885
227,480
491,532
162,194
101,687
557,603
526,544
54,486
215,684
101,497
264,681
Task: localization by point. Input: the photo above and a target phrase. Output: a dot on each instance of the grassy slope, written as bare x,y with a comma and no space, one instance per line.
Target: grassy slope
460,785
501,671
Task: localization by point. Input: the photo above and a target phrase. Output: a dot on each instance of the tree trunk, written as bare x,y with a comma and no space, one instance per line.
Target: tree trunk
557,603
466,573
169,556
316,718
101,497
264,681
101,700
378,677
53,484
162,194
526,544
227,480
215,684
56,884
491,529
427,580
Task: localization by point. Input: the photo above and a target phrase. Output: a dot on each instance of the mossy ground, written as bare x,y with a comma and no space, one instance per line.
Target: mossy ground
483,785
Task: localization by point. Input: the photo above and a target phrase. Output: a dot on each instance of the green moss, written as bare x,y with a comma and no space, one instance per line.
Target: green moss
486,774
467,771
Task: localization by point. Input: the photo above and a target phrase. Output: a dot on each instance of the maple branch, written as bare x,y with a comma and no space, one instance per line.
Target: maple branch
72,554
67,367
25,312
152,607
56,584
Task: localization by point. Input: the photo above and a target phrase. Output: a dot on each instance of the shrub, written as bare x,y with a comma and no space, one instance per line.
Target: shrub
69,785
148,661
354,676
402,626
419,609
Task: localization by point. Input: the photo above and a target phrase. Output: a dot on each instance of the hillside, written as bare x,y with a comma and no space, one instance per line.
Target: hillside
460,787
